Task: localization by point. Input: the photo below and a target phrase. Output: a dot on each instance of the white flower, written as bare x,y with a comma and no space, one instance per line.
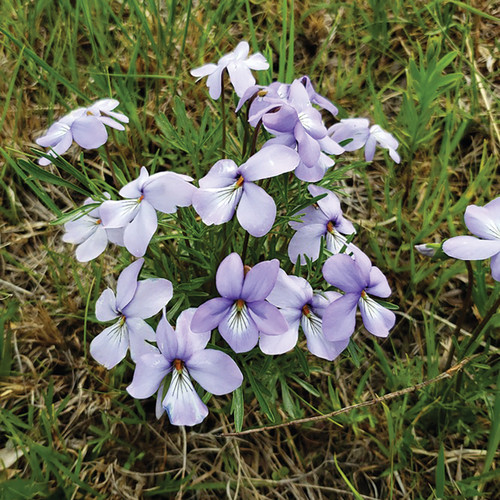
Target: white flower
238,65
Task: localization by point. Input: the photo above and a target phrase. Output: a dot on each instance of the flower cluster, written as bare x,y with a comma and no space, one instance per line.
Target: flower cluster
258,303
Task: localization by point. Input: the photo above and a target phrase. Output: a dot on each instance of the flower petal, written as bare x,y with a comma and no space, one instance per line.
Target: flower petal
189,342
239,329
167,191
111,345
495,266
215,371
105,307
257,61
93,246
139,232
89,132
378,283
377,319
241,77
149,372
117,214
140,332
217,205
470,248
316,341
306,241
134,188
279,344
205,70
127,284
344,273
260,280
270,161
267,318
210,314
229,277
182,403
151,295
308,148
339,318
483,222
290,292
257,211
214,83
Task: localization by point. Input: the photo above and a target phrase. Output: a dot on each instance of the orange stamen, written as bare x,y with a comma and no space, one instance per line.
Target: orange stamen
178,364
306,311
240,181
246,269
363,294
239,304
329,227
141,198
98,221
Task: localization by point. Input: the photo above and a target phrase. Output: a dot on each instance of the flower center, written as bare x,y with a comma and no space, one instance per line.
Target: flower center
240,181
122,320
262,93
89,113
140,198
246,269
364,295
98,221
240,303
178,364
329,227
306,311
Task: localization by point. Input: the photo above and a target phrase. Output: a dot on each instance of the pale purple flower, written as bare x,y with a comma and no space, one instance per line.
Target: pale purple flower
303,125
358,130
238,65
164,191
265,98
227,186
184,354
323,221
300,306
85,126
134,302
89,234
242,313
357,278
484,222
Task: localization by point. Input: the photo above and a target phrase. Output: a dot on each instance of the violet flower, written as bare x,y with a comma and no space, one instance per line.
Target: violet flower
242,313
184,354
85,126
89,234
299,120
164,191
301,307
357,130
322,222
238,65
227,186
484,222
356,278
133,303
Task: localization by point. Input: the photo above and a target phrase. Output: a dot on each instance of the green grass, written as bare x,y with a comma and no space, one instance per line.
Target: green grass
416,68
